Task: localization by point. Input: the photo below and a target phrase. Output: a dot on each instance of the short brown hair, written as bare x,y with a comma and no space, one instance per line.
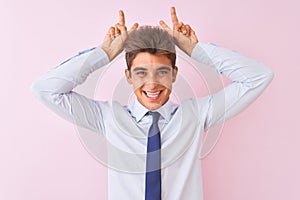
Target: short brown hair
149,39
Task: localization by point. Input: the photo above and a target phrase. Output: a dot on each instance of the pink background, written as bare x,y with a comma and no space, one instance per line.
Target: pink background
257,156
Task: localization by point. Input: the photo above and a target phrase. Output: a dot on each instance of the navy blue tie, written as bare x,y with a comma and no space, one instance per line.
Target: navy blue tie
153,164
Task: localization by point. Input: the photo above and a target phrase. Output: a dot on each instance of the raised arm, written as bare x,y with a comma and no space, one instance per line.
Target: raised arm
249,77
55,87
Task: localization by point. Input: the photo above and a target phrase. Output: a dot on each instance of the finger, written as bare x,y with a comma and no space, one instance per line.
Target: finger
117,29
193,36
183,29
188,29
177,27
121,18
121,29
164,25
112,32
174,16
109,34
134,26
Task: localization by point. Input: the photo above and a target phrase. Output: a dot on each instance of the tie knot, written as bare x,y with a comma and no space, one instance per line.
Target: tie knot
155,116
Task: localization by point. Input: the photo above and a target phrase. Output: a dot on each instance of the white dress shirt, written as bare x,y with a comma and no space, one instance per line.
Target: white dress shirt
125,128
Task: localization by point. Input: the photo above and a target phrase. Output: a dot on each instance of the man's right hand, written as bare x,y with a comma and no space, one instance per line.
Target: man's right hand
115,37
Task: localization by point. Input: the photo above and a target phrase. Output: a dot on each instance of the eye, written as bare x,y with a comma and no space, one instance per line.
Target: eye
163,72
141,73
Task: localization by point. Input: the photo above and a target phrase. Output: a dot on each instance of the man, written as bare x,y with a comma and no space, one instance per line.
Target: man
139,167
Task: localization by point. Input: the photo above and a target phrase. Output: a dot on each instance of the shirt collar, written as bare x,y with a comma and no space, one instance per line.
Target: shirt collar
138,111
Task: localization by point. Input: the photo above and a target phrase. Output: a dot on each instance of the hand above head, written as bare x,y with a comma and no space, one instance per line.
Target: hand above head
183,34
115,37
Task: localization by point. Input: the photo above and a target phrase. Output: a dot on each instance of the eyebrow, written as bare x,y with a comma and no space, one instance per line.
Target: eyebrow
140,68
164,68
144,68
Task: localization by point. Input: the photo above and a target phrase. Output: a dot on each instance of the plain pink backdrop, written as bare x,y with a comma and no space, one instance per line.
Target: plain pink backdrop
257,156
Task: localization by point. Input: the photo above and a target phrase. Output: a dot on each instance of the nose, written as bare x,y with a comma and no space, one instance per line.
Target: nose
151,85
152,78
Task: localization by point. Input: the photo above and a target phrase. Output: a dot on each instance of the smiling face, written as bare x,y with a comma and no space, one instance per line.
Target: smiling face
151,77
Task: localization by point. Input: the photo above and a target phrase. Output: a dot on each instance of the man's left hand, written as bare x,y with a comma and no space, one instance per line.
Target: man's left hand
183,34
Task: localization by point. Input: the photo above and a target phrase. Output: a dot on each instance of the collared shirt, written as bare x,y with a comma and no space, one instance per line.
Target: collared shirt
125,128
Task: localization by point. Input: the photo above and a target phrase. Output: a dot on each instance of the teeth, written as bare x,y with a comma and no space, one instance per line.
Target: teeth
152,94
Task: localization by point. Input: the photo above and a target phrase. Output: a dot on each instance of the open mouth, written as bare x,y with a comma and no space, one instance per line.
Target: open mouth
152,95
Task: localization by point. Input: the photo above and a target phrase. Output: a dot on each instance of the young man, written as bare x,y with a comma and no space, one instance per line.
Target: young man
154,144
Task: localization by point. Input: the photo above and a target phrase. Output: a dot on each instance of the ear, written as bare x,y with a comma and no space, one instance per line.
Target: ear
128,76
174,73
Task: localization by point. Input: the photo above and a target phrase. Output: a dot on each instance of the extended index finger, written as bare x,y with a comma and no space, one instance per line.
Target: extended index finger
121,18
164,25
174,16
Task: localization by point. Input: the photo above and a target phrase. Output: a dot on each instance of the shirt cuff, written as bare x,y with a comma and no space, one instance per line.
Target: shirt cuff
202,52
101,56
